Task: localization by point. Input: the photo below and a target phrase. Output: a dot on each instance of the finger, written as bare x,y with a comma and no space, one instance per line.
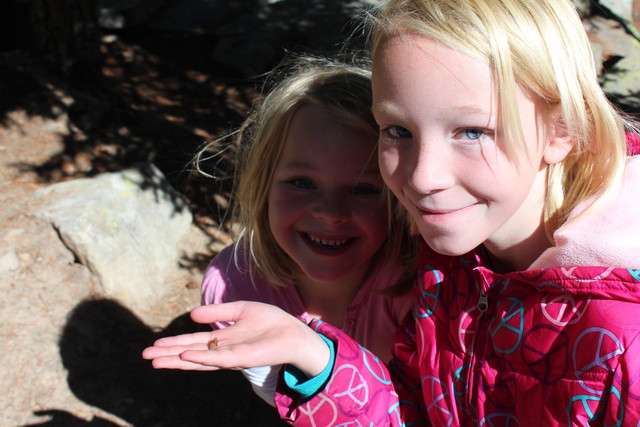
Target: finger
175,362
185,339
165,351
219,359
227,312
239,356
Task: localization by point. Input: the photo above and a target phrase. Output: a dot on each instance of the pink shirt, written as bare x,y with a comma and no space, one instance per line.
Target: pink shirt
371,318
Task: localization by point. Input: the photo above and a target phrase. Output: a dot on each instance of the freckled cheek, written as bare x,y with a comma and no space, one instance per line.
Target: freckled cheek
389,163
388,160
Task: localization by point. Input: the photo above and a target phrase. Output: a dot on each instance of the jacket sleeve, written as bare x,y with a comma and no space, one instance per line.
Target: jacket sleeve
361,388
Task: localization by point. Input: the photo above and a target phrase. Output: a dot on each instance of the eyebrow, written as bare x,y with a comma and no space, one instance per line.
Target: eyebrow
470,110
383,108
390,108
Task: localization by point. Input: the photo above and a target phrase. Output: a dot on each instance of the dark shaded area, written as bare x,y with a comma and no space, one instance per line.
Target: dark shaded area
157,98
628,103
152,108
159,94
101,346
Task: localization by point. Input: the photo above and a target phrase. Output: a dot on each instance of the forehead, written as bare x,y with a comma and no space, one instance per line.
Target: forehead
316,137
414,70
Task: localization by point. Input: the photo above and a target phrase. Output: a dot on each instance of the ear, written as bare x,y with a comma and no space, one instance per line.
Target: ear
559,141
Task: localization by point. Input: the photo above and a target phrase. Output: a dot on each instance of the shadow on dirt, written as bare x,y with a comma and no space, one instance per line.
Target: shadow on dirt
100,348
159,97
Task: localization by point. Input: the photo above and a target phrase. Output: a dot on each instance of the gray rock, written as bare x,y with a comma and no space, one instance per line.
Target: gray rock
9,261
123,226
610,36
620,8
622,82
583,7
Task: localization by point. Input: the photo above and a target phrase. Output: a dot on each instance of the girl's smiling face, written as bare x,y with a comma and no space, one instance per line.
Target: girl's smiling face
440,150
326,208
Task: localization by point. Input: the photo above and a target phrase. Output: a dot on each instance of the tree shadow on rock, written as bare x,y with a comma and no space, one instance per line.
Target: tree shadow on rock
101,348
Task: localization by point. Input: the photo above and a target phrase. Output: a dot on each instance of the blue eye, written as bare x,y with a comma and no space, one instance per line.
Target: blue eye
398,132
302,184
473,133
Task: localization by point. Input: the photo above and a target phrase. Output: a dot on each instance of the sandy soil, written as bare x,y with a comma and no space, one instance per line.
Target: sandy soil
71,357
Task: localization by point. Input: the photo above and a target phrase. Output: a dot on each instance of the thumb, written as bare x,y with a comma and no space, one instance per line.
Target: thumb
226,312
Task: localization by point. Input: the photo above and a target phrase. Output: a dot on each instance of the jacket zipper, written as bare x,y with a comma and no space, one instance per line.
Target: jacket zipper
483,306
483,302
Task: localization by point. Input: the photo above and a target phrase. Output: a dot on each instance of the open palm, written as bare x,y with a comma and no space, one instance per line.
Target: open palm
261,335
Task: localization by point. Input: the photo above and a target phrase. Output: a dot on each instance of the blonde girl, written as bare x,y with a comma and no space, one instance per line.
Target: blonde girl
321,237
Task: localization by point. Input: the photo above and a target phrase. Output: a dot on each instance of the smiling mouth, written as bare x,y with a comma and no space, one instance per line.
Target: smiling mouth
437,212
326,243
430,212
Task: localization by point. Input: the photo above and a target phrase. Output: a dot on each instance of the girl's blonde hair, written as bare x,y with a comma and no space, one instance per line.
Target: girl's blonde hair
341,89
542,46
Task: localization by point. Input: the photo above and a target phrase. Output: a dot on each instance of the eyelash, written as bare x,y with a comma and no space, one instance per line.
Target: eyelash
480,133
301,183
386,135
307,184
389,131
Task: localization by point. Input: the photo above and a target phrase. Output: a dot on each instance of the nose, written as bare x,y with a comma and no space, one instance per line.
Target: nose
331,208
429,167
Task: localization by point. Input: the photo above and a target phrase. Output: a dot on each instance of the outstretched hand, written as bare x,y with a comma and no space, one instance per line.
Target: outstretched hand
261,335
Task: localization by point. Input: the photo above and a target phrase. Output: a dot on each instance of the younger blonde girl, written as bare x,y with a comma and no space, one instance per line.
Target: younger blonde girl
321,236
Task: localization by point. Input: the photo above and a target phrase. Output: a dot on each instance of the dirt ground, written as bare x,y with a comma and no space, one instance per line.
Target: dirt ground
71,357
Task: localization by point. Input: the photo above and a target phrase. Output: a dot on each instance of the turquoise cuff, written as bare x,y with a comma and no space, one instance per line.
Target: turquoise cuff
307,387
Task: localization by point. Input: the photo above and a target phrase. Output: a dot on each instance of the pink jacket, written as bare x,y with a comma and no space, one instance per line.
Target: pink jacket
371,318
558,344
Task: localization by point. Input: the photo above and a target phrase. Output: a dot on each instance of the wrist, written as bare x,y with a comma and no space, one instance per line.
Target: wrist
304,385
315,356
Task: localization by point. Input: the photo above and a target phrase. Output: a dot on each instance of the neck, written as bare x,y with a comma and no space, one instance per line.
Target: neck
522,239
329,300
518,257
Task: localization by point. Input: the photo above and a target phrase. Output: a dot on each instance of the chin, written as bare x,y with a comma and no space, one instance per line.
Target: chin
325,276
450,248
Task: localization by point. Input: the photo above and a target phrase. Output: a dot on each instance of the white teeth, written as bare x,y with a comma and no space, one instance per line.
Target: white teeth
327,243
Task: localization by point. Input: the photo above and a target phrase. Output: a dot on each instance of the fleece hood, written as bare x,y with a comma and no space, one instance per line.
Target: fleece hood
608,236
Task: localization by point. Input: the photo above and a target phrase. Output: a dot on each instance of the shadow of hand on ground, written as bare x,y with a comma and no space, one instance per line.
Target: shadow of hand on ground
101,348
60,418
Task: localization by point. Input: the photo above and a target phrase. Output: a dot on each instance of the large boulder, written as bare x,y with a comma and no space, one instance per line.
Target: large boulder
124,226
